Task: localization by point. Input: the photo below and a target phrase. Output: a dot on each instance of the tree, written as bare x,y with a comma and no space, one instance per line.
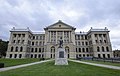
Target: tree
3,48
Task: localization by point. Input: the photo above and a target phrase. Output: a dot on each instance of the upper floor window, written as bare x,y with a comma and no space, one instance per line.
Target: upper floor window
11,48
21,49
23,35
103,49
107,48
16,49
98,49
19,35
14,35
104,35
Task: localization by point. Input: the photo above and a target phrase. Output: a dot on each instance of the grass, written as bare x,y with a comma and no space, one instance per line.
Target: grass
73,69
13,62
102,62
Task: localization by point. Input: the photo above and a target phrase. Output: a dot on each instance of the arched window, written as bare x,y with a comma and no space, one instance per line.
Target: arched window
11,48
98,49
52,49
21,49
83,49
67,49
16,49
103,49
107,48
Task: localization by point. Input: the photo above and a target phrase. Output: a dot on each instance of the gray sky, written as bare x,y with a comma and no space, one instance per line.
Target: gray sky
82,14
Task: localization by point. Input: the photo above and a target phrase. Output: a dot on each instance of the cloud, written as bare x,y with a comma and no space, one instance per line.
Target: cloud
82,14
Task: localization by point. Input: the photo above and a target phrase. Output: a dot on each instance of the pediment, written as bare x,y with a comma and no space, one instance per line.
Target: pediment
59,25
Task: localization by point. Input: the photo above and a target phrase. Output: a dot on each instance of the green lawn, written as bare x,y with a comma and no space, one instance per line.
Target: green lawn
102,62
13,62
73,69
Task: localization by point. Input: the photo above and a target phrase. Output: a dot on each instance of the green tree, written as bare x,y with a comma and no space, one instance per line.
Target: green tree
3,48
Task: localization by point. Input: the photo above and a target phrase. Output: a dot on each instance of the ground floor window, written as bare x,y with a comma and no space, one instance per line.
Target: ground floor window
31,55
103,55
15,56
10,55
108,55
20,55
99,56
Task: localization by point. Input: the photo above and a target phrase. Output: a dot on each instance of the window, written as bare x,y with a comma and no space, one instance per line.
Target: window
76,49
79,49
85,37
104,41
23,35
86,49
12,48
103,55
32,43
82,43
83,55
35,49
107,48
13,41
36,43
15,56
104,35
39,55
31,55
108,55
79,55
103,49
19,35
100,41
16,49
33,37
10,55
20,55
21,49
87,55
32,49
99,56
100,35
39,49
96,41
95,35
35,55
14,35
86,43
78,43
22,41
82,37
98,49
18,41
83,49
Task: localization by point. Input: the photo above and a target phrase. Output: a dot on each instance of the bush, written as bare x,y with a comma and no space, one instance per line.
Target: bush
1,65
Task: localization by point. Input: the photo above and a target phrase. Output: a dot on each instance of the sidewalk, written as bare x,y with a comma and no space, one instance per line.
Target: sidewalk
100,65
23,65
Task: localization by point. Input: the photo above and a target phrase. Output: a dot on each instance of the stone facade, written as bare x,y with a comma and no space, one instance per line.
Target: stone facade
24,43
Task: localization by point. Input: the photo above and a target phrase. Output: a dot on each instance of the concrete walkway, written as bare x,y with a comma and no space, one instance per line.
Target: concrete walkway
23,65
100,65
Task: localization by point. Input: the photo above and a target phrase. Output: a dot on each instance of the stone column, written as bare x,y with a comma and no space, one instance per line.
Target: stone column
56,37
63,36
50,37
69,36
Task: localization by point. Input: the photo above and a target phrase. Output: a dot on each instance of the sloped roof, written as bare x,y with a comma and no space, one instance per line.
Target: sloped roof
59,22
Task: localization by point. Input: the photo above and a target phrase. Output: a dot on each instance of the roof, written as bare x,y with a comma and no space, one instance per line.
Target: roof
50,26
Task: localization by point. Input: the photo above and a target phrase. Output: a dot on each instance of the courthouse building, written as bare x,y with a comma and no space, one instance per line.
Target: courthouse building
24,43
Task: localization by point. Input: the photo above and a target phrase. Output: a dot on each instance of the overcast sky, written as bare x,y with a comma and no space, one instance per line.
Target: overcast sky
82,14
